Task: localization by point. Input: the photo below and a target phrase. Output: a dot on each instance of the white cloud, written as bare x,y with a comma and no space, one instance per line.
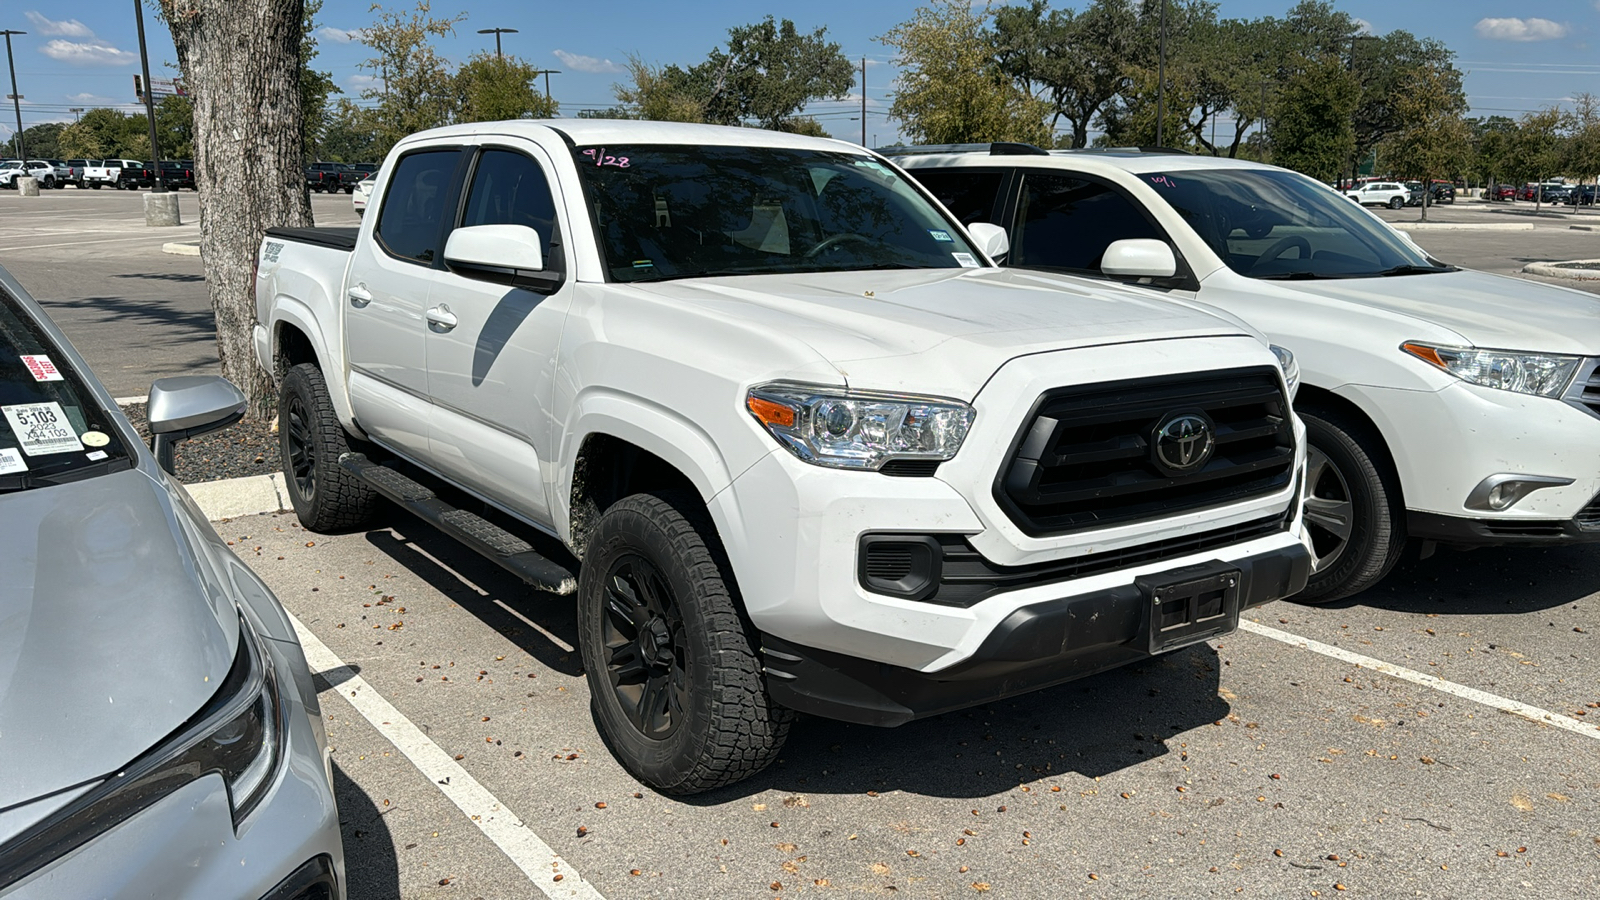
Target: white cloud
88,99
580,63
341,35
362,82
67,28
1513,29
1365,27
88,53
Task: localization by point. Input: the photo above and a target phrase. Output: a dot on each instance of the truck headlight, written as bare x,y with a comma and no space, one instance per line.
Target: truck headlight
856,429
1291,369
1541,374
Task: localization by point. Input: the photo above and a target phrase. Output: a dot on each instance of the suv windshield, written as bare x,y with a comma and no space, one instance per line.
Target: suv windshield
1274,224
678,212
51,428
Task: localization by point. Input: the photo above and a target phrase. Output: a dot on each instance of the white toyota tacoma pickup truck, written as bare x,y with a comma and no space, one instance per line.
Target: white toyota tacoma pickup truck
779,423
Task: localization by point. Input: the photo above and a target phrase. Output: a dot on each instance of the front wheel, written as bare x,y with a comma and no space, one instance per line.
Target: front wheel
325,495
1354,514
675,682
1396,203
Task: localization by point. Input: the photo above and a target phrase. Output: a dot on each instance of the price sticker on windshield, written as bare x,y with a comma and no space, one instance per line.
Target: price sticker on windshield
42,428
41,368
11,462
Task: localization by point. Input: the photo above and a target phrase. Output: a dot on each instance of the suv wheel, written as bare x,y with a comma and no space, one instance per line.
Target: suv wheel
675,682
324,494
1354,514
1396,203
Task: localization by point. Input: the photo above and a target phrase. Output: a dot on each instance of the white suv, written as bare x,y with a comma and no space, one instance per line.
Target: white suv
1381,193
1456,407
38,168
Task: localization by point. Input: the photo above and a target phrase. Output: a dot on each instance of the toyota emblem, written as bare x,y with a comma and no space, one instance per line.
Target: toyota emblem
1183,443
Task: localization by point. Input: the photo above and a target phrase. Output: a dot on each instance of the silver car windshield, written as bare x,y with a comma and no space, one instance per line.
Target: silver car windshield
51,428
1276,224
665,212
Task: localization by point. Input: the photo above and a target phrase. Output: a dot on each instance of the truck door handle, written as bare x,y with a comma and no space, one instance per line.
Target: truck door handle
441,318
359,297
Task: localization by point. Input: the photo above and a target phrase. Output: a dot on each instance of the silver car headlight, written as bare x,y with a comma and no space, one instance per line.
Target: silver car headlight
1291,369
856,429
1540,374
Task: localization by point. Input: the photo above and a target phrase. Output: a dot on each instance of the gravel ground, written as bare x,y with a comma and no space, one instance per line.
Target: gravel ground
248,448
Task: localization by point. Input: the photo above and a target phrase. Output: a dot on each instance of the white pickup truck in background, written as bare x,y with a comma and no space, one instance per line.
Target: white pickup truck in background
777,420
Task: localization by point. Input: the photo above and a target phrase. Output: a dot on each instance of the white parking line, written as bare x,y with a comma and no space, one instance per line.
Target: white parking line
1494,701
515,839
148,237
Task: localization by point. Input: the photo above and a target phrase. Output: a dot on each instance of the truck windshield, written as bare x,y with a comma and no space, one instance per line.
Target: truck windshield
51,428
1274,224
665,212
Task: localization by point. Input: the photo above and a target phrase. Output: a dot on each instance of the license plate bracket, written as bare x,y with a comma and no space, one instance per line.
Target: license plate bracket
1188,605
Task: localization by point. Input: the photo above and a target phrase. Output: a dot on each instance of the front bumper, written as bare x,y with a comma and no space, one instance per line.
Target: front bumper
1468,531
185,846
1034,647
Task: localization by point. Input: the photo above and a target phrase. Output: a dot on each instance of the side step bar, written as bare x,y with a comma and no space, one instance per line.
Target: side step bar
495,543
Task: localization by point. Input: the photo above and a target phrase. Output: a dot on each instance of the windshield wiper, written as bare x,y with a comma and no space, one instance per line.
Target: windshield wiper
1414,270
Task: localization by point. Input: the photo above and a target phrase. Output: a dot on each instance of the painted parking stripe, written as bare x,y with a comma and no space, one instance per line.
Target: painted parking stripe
1494,701
515,839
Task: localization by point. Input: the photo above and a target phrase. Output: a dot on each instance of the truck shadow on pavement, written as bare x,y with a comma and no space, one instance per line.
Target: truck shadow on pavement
1489,581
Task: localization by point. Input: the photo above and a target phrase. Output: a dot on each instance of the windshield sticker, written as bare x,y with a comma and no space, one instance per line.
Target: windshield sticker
941,235
966,260
42,368
643,264
95,439
11,462
601,159
42,428
97,455
1162,180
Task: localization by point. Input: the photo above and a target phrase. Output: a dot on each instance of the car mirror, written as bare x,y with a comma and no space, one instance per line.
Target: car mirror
1139,258
990,238
503,254
188,406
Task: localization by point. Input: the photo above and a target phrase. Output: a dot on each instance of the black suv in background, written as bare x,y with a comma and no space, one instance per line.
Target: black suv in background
178,173
332,177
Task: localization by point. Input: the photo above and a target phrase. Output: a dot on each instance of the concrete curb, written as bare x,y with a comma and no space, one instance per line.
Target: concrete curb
234,497
181,248
1555,270
1463,226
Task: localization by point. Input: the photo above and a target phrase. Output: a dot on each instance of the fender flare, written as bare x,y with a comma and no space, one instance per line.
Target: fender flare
288,310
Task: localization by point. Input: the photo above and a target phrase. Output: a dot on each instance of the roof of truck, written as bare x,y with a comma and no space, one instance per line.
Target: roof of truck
622,132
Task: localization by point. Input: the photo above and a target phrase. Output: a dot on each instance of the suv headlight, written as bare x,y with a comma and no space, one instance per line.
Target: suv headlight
1291,369
1541,374
856,429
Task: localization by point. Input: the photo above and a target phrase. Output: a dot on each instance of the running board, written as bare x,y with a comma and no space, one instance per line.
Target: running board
495,543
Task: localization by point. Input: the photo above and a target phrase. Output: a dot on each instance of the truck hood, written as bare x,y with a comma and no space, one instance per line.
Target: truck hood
1493,311
115,628
940,331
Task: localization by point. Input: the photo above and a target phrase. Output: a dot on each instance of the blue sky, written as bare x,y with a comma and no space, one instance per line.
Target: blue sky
1518,54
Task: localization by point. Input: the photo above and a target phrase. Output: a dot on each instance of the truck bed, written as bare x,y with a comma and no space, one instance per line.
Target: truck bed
332,238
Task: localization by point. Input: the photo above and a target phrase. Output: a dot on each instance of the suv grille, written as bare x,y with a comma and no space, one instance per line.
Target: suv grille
1588,518
1585,391
1085,459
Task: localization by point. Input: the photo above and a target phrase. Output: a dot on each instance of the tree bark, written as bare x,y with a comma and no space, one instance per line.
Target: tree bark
241,62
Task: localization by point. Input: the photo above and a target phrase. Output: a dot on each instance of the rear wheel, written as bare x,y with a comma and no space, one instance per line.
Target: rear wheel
1396,203
675,683
1354,514
325,495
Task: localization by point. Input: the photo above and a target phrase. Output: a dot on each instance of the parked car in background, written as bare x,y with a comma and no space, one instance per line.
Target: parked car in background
1431,412
1498,192
40,169
177,748
325,177
1392,194
1547,192
1443,193
362,193
178,173
117,173
80,171
1581,195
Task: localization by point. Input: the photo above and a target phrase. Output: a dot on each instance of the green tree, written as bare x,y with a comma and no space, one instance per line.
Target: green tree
1077,63
659,93
103,133
490,88
769,71
952,90
1583,137
43,140
1434,139
174,127
1493,158
1310,128
1538,147
416,90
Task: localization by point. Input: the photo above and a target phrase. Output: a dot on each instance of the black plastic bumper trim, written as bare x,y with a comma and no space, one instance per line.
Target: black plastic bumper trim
1036,646
1465,531
314,880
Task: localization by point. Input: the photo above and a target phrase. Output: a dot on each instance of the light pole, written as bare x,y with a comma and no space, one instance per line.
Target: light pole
1265,133
77,113
16,98
497,32
863,101
546,73
1161,77
160,187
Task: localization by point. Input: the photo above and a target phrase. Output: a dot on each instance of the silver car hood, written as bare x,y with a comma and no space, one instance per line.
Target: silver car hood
116,626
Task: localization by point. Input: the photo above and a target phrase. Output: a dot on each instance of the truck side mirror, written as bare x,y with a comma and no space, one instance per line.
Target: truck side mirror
991,239
1139,258
187,406
503,254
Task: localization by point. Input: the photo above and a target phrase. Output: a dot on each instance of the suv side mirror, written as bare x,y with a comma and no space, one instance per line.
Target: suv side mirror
1139,258
991,239
188,406
503,254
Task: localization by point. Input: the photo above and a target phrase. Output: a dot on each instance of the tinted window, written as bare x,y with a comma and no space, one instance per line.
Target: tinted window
1067,223
413,204
510,189
969,195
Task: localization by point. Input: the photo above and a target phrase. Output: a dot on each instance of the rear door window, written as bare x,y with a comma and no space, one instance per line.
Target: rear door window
971,196
1067,222
409,224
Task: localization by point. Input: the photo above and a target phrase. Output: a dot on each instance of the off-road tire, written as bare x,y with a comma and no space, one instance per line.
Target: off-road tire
1377,523
731,728
336,500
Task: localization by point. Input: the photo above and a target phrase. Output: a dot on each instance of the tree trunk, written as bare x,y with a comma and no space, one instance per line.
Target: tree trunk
241,62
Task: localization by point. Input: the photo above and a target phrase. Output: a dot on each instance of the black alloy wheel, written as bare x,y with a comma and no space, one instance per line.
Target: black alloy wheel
325,495
1396,203
646,658
299,453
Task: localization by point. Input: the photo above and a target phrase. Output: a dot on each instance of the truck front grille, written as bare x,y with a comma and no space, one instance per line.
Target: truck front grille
1086,457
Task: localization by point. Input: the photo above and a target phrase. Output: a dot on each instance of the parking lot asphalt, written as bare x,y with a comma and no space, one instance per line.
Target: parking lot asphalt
1247,766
